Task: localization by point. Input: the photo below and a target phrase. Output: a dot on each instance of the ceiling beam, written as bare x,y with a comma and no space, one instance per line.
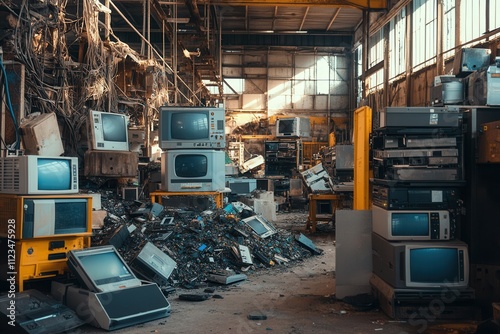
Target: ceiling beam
337,12
362,4
304,18
275,16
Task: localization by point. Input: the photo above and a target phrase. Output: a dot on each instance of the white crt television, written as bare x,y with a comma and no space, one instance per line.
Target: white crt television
193,170
294,127
101,269
191,127
108,131
38,175
421,264
412,224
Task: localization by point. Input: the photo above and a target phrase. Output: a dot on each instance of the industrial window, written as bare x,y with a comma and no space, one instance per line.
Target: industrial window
358,67
423,33
472,19
376,55
234,86
494,13
376,43
397,33
375,81
323,75
449,28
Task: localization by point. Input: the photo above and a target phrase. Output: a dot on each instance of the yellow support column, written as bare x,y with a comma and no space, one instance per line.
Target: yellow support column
362,130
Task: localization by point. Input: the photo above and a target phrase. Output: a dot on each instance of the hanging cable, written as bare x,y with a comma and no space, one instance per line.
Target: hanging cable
16,144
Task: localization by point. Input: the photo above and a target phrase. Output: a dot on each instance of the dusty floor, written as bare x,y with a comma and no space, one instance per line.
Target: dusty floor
296,299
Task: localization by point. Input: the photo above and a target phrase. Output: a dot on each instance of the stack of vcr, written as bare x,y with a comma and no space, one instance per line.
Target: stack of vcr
416,194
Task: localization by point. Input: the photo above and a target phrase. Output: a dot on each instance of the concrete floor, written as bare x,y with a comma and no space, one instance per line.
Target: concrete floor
298,298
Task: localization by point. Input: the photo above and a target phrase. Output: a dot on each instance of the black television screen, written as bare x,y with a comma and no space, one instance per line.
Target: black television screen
54,174
191,165
434,265
286,125
114,127
71,216
189,125
414,224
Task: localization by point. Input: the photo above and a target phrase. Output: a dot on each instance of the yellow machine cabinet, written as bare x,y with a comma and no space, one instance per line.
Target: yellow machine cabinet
38,258
42,216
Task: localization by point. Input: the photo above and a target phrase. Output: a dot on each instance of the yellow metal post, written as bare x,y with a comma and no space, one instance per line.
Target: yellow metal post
362,130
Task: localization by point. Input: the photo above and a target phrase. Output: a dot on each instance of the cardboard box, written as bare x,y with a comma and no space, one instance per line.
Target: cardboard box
98,217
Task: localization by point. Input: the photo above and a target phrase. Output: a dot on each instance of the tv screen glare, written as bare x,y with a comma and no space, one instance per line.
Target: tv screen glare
54,174
191,165
414,224
109,131
101,269
191,127
114,128
435,265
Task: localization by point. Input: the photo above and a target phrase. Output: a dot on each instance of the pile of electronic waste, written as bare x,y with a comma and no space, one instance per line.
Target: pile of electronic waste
184,247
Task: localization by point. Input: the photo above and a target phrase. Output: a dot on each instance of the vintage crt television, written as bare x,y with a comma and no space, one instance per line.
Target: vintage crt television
153,264
191,127
108,131
412,224
421,264
293,127
101,269
36,174
40,216
193,170
260,226
241,185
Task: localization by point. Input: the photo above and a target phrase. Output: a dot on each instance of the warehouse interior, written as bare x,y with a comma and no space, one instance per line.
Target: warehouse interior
156,153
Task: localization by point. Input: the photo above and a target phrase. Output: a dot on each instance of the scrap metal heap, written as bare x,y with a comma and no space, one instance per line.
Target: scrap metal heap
200,242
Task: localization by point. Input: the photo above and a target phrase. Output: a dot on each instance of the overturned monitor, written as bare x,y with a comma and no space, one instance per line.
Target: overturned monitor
153,264
120,308
225,277
260,226
101,269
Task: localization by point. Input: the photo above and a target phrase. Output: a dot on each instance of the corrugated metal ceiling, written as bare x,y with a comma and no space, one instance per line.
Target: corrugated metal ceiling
253,19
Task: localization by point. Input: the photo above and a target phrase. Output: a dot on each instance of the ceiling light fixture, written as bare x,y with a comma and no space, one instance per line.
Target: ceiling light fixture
178,20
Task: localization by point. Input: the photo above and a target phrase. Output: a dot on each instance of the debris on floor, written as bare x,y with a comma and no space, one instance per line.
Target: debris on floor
257,316
214,245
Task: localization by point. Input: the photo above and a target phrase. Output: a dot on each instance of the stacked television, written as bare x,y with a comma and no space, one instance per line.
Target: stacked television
42,216
418,260
192,140
108,153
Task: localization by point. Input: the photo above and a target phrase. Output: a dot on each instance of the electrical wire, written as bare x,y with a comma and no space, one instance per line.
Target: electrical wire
5,81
